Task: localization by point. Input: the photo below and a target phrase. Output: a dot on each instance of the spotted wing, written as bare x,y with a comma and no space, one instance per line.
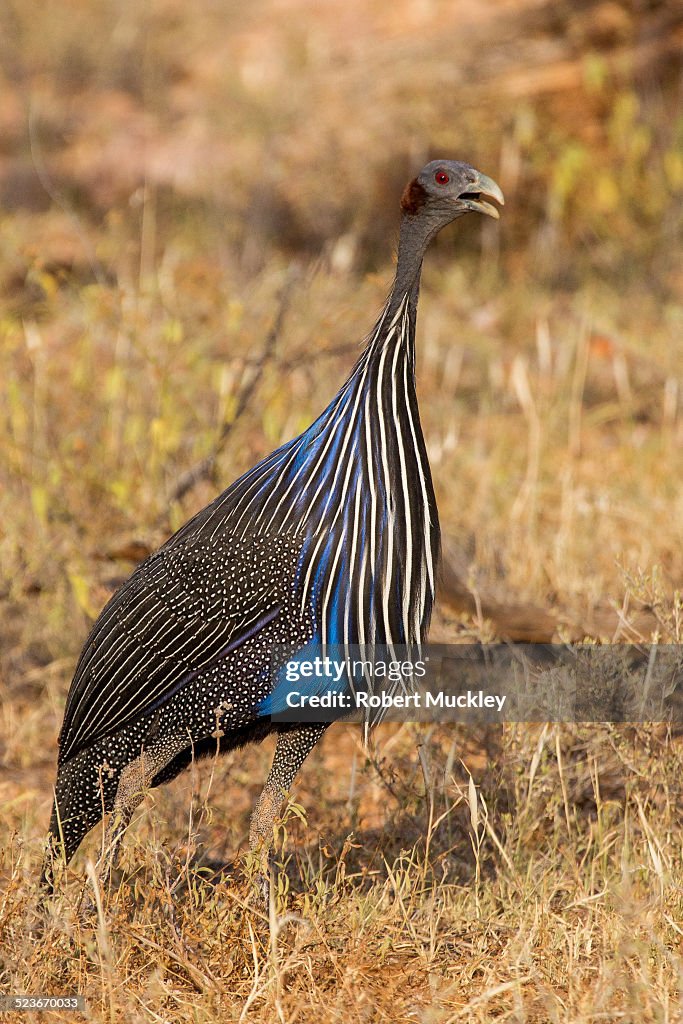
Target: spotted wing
183,609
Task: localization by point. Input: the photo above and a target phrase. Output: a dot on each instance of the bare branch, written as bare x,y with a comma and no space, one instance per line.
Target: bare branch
203,470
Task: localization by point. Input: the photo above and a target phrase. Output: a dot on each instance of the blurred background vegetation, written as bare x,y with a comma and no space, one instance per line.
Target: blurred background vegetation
198,207
293,126
163,169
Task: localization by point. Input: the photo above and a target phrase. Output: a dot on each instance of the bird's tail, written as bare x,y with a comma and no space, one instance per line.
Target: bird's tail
72,818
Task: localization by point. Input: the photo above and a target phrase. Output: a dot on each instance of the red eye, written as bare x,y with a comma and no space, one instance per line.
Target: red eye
442,178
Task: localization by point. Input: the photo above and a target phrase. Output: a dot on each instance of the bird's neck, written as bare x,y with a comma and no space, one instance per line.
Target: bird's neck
391,344
395,328
414,236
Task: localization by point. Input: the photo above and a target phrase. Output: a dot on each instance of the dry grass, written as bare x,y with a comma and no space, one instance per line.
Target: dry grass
543,886
530,873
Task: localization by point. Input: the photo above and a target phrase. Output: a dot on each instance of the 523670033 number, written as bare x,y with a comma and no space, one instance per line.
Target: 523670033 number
33,1003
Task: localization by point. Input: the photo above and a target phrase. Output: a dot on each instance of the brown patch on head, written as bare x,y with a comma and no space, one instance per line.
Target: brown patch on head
414,197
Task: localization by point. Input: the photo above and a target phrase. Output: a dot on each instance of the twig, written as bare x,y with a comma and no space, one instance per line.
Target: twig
204,469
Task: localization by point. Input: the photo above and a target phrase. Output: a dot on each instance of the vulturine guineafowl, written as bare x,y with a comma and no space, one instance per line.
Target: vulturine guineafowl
331,539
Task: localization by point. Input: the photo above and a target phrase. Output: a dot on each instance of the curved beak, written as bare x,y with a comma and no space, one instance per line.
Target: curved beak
482,186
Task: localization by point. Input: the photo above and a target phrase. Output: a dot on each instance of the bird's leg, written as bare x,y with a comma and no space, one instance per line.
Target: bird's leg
134,781
293,747
129,793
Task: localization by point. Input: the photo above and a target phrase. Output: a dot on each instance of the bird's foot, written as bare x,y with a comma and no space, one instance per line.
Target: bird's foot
87,909
261,891
92,896
257,874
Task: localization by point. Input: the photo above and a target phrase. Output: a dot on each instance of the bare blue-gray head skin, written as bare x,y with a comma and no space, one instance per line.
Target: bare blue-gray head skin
443,191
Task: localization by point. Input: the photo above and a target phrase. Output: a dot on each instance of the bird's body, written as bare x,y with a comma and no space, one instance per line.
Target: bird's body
331,539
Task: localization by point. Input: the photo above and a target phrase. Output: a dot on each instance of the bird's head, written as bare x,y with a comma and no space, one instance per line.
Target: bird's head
446,189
